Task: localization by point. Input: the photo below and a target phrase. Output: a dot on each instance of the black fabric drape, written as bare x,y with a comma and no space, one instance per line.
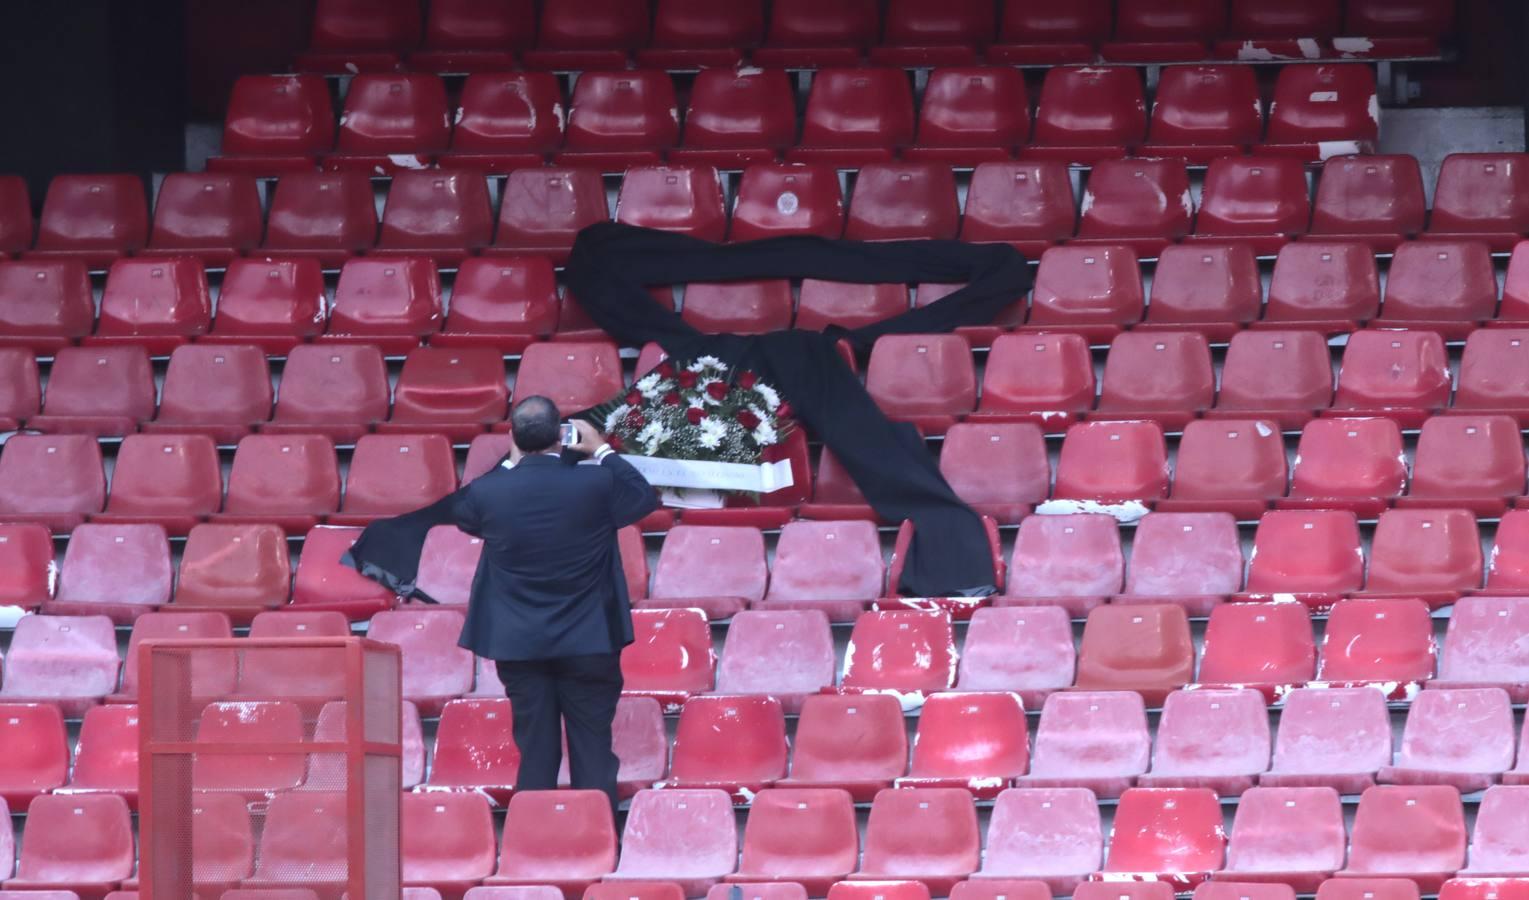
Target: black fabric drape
612,264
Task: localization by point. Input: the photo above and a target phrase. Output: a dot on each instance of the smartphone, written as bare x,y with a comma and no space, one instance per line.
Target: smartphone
567,435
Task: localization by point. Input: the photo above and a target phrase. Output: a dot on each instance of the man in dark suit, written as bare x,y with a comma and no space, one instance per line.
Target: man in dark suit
549,600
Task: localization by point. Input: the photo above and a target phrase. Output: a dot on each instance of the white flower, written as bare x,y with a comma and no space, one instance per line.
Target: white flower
651,436
709,362
771,397
649,385
765,435
712,433
615,417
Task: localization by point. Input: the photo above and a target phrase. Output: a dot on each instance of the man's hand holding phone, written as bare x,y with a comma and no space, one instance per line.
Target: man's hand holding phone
587,438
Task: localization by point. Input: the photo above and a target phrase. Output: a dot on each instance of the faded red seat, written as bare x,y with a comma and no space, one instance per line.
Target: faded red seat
1232,465
1259,200
927,32
1408,832
1331,737
903,201
117,571
323,583
1113,462
1448,287
1289,836
574,375
254,776
26,566
825,303
1144,648
1028,205
1093,291
682,836
1321,110
220,391
1174,834
505,304
1432,554
348,36
857,743
565,839
275,124
1093,740
392,303
1330,286
803,835
68,661
1477,198
1026,651
106,754
690,33
1204,112
1214,290
1267,646
737,117
1051,836
1489,373
1086,114
1389,642
1045,378
542,209
469,36
1515,288
393,474
1164,376
929,380
816,34
444,216
975,741
1190,558
786,654
237,570
171,480
1348,463
833,566
734,744
1375,199
391,122
48,303
927,836
289,480
301,845
1463,737
330,216
620,119
99,391
683,199
1401,375
583,34
1481,645
1071,561
1217,739
1165,30
911,653
971,115
1141,203
53,480
505,120
1393,29
999,468
670,657
717,569
776,199
456,391
94,218
855,117
39,763
211,217
1284,376
1313,555
81,844
475,749
1032,33
435,669
1280,30
1496,840
446,841
738,307
447,563
156,303
304,678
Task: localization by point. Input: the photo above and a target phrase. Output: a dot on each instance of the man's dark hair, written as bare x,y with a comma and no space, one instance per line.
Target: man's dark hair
534,422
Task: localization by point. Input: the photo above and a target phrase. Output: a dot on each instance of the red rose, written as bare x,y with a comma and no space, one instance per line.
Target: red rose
687,379
694,415
615,441
783,411
635,419
633,398
716,390
672,399
748,419
747,380
665,370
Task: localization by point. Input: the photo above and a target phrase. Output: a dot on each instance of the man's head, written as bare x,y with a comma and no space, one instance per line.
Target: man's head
534,422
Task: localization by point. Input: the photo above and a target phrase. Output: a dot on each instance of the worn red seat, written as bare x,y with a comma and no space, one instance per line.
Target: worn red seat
1164,376
855,117
734,744
999,468
683,836
106,754
1211,289
1375,199
737,117
1144,648
1497,837
1165,30
234,569
456,391
1051,836
670,657
118,571
683,199
574,375
1408,832
505,120
1463,737
1393,29
323,583
254,776
469,36
1113,462
99,391
1476,198
1142,203
446,841
911,653
971,114
220,391
584,34
93,218
1093,291
1314,555
291,480
565,839
53,480
1290,836
1389,642
1259,200
833,566
392,303
1026,651
302,844
1321,110
1331,737
329,216
1174,834
1481,645
348,36
1489,373
813,34
803,835
26,566
331,727
640,742
447,563
1086,114
719,570
82,844
786,654
211,217
925,32
1327,286
435,669
69,661
392,474
928,836
1433,554
1071,561
171,480
1281,30
505,304
1032,33
1192,558
294,675
975,741
1210,738
825,303
620,119
542,209
275,124
48,305
857,743
35,734
903,201
1093,740
475,748
1515,287
1204,112
1267,646
776,199
690,33
1025,204
1401,375
1231,465
929,380
1445,286
444,216
738,307
156,303
1045,378
1348,463
391,122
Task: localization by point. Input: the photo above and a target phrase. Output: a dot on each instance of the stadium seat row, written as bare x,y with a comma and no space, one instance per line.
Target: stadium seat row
393,123
460,35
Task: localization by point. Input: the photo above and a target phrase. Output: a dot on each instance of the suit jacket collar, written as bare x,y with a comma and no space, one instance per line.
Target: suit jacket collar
538,459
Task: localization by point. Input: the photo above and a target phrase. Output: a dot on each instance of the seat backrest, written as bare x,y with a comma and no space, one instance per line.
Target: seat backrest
1259,644
972,736
1420,550
789,826
730,738
395,113
777,650
61,656
1212,732
709,561
1167,830
1185,554
77,839
1326,730
275,114
851,737
214,674
938,824
585,833
1378,640
1482,645
307,830
679,830
448,836
105,381
1087,733
1017,650
903,650
1058,825
827,561
1067,555
670,651
1306,551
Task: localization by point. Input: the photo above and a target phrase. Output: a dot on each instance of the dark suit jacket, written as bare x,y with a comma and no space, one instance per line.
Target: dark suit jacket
550,581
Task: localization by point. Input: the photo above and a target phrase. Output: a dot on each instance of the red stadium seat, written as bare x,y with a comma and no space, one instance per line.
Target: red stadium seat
1489,373
1037,33
330,725
1165,30
1401,375
106,754
979,336
1087,740
1071,561
330,216
975,741
1323,110
565,839
1093,291
1194,559
1259,200
506,120
1292,835
786,654
211,217
435,669
803,835
26,566
1026,651
472,36
575,376
1432,554
1313,555
927,32
927,836
254,776
289,480
1204,112
833,566
1143,648
1477,198
1497,838
926,379
70,661
1268,646
446,841
1173,835
1408,832
170,480
444,216
447,563
620,119
48,303
855,117
323,583
825,303
238,570
1214,290
220,391
1332,737
687,200
484,453
1376,199
787,199
958,606
1113,462
971,115
102,391
118,571
391,122
1165,376
475,749
1233,465
670,657
1396,29
854,743
1086,114
392,303
1260,29
738,307
53,480
1142,203
1481,645
455,391
1461,737
1332,287
1000,469
94,218
1028,205
1444,286
690,33
302,844
682,836
1047,378
393,474
735,744
1353,464
1389,642
906,652
1051,836
1214,738
82,844
584,34
542,210
226,847
275,124
39,763
156,303
1515,289
504,303
737,117
641,745
350,36
813,34
289,675
903,201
